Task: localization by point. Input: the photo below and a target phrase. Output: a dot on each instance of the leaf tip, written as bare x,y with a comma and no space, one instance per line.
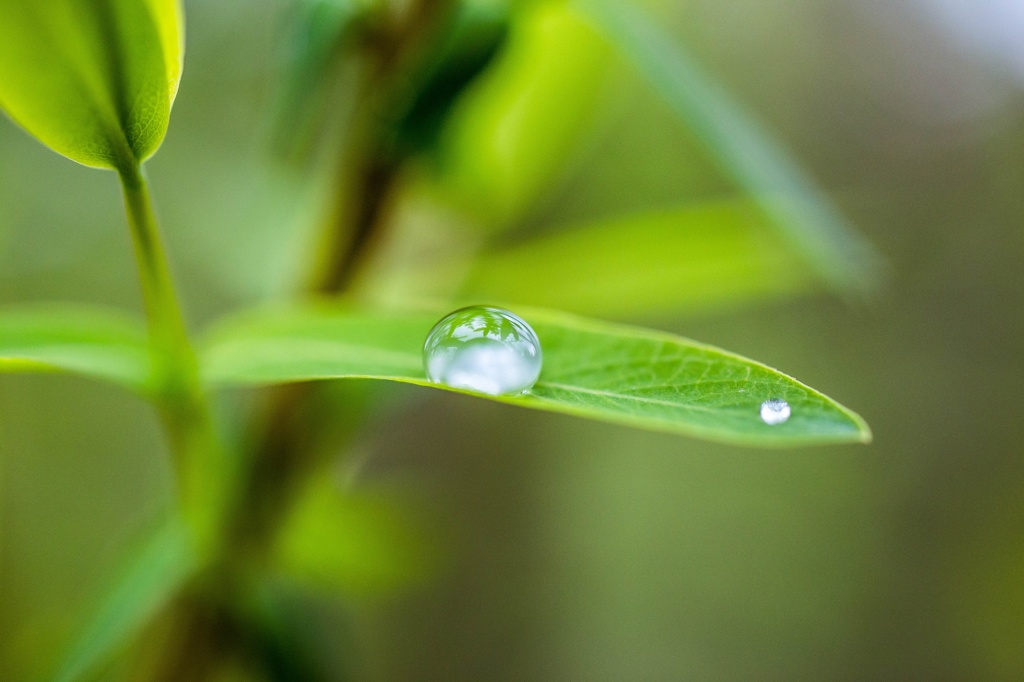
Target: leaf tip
864,434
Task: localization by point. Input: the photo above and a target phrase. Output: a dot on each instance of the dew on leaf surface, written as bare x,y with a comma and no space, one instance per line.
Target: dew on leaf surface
774,411
483,349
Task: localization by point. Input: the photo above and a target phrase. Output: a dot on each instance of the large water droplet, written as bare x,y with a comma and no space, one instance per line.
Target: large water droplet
774,411
482,349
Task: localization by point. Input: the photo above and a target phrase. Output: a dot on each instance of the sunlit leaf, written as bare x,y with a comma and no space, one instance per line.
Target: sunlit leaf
625,375
147,582
742,147
94,342
92,79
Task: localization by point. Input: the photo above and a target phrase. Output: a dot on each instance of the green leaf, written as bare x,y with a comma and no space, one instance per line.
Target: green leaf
92,79
516,126
154,575
94,342
466,43
353,541
625,375
320,33
742,147
696,257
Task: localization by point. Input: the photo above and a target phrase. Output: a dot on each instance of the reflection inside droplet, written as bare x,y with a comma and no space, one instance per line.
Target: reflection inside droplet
774,411
483,349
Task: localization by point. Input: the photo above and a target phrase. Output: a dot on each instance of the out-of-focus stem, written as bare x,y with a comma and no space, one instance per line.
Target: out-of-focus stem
184,410
286,447
361,197
282,454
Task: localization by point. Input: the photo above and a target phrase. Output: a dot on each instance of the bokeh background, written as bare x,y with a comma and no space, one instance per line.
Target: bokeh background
577,550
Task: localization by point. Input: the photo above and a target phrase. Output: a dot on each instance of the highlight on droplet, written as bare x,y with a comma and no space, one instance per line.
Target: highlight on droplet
775,411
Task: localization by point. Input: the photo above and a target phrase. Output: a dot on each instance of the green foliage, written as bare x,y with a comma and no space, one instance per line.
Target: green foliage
694,257
95,342
624,375
742,148
319,32
469,40
613,373
92,79
513,130
500,99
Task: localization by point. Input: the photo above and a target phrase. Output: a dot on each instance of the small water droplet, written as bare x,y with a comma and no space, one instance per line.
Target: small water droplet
483,349
774,411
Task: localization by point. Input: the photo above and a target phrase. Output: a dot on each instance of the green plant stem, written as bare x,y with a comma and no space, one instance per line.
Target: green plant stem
291,435
362,194
283,453
199,461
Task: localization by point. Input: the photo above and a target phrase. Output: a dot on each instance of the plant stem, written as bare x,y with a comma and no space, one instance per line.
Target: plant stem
183,406
362,197
289,440
284,454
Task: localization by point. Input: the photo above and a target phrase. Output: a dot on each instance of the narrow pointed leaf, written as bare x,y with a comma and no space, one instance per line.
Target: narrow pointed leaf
742,147
625,375
93,80
148,581
93,342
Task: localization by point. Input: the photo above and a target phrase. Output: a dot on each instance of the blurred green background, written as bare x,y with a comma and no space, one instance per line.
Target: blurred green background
578,550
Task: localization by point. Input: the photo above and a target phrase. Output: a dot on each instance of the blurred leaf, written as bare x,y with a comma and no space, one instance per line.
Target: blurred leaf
742,147
92,79
353,542
161,567
320,30
625,375
519,123
680,259
466,39
94,342
467,43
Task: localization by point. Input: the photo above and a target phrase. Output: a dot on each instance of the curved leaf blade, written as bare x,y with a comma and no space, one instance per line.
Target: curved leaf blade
93,80
93,342
613,373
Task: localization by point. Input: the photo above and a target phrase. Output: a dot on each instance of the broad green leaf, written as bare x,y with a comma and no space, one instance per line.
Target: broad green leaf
351,541
625,375
92,79
742,147
688,258
161,567
94,342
